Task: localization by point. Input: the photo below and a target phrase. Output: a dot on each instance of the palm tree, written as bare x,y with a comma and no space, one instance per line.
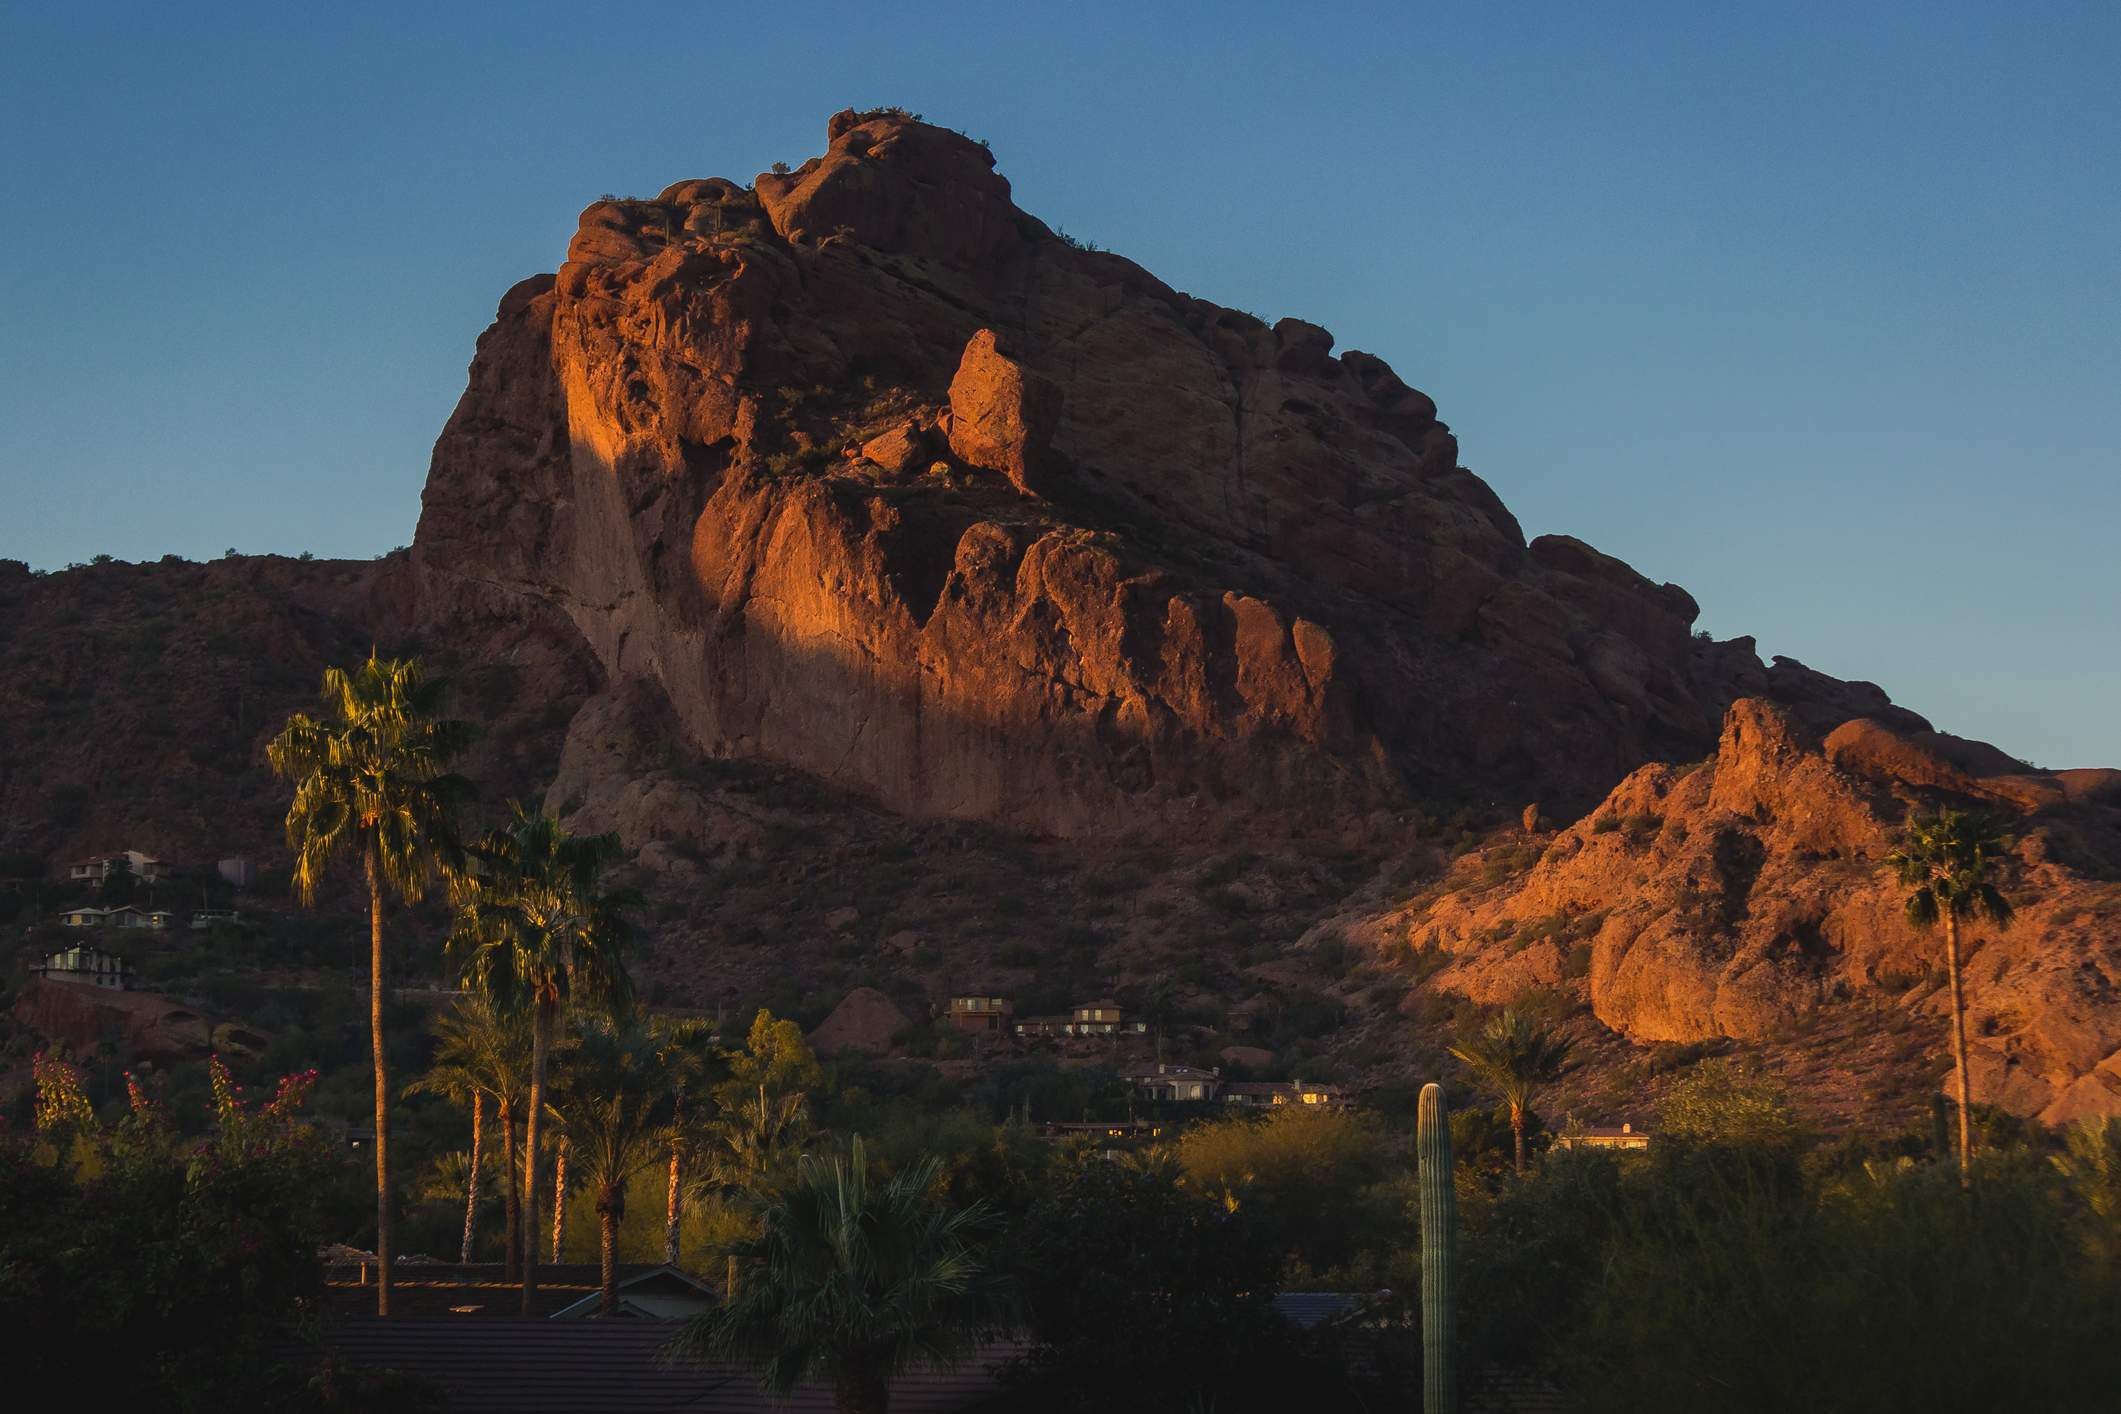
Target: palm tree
373,779
538,930
614,1102
1518,1057
1945,860
856,1281
687,1059
483,1053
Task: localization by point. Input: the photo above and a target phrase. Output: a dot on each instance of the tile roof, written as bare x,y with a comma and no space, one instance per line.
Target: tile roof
596,1367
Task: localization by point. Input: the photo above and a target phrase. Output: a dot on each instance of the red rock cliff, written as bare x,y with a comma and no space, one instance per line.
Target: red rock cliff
869,471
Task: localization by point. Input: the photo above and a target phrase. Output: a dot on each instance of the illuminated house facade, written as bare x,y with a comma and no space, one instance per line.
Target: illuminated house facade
980,1013
88,967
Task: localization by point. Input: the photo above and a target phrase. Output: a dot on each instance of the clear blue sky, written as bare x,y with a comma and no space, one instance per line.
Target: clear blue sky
1809,308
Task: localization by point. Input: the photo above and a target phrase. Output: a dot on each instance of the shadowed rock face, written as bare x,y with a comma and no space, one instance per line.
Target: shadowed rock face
866,470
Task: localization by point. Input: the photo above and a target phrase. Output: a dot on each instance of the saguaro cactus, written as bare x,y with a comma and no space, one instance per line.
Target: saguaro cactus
1439,1257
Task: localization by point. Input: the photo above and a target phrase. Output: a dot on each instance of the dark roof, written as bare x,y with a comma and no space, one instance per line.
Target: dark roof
426,1298
443,1288
598,1367
1308,1308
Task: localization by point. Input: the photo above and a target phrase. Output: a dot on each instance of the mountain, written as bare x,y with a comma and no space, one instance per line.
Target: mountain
867,470
931,602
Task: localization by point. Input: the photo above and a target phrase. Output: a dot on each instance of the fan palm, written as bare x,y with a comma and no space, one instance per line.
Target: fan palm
854,1280
614,1102
482,1053
688,1058
536,930
1945,859
373,779
1516,1055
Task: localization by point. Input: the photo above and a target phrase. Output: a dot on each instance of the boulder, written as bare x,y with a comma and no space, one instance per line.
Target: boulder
1002,415
900,450
865,1022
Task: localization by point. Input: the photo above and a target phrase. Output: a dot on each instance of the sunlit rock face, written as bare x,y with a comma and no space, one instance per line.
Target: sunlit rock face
1737,896
866,470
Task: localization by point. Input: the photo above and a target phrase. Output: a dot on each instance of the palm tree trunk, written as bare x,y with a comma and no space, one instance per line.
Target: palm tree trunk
559,1204
511,1269
861,1387
1966,1124
1517,1128
471,1188
375,1028
530,1156
608,1209
670,1224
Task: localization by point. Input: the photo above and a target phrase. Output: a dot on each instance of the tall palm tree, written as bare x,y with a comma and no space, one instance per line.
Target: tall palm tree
687,1060
854,1280
537,929
373,779
480,1054
614,1102
1945,860
1516,1055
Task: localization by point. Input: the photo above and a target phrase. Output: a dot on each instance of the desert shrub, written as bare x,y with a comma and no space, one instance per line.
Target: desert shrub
1228,901
1726,1286
1304,1169
1388,995
1726,1103
1329,956
1417,868
1579,964
1222,871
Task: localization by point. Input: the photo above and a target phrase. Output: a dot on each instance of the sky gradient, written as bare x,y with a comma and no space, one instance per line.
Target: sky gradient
1811,309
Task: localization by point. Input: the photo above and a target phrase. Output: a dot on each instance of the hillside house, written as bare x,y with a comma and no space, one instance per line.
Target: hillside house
1625,1137
123,917
142,866
1294,1092
87,967
1175,1082
1098,1018
981,1013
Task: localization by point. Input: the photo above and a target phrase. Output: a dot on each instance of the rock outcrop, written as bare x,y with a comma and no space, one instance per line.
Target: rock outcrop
85,1017
864,469
1734,898
865,1022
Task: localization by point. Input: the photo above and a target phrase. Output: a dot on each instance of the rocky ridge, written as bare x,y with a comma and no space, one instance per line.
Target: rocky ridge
866,470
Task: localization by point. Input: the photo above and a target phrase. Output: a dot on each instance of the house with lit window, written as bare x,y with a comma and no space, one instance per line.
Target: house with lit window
1264,1093
1625,1137
980,1013
123,917
1098,1018
87,967
1175,1082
